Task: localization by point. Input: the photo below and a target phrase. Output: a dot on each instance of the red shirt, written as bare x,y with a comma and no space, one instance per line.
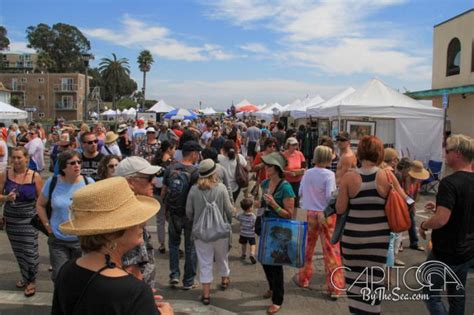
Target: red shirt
178,132
262,173
295,161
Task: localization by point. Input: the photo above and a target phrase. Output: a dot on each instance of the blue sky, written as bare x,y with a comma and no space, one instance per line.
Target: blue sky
266,51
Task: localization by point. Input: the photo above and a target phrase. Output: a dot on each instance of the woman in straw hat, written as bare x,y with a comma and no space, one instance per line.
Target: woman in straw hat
209,189
108,225
110,145
279,202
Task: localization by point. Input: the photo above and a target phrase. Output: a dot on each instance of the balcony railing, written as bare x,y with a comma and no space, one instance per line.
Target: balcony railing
19,87
65,87
66,106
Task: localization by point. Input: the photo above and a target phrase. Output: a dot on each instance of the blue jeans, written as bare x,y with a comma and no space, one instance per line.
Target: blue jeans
412,230
457,297
176,226
60,252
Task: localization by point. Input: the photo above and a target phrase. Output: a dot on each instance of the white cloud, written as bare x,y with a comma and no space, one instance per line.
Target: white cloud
220,94
20,47
254,47
158,40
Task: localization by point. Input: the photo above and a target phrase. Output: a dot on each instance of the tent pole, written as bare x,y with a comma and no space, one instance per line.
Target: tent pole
339,119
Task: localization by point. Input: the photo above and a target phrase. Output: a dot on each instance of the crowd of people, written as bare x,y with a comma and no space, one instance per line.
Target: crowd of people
185,172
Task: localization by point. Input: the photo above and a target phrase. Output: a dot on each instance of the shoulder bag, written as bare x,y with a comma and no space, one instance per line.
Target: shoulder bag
396,209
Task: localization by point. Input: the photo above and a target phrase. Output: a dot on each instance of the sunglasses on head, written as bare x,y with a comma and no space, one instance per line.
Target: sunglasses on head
91,142
72,163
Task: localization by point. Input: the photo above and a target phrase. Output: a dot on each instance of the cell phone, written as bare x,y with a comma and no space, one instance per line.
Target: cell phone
410,201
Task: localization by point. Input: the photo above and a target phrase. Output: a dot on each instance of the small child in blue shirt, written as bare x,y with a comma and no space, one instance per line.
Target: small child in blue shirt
247,229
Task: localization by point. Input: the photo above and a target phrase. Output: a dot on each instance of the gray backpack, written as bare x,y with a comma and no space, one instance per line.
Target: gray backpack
210,226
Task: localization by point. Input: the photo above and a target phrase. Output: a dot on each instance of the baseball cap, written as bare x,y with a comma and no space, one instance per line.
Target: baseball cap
135,164
191,146
291,141
343,136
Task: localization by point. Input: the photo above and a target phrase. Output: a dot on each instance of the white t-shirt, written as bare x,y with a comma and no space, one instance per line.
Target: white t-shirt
35,149
316,188
206,135
4,158
229,167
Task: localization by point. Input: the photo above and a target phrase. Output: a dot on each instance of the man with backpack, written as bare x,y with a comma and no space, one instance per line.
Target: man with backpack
177,182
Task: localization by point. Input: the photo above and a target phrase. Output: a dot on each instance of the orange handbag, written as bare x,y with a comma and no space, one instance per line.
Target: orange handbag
396,209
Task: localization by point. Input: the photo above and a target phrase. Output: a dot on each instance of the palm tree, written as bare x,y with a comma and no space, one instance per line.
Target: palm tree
145,60
114,72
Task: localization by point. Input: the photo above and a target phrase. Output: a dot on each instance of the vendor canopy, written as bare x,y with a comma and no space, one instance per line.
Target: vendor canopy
161,107
375,99
299,109
8,111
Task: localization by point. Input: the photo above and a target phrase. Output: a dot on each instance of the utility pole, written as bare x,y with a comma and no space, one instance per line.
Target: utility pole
86,58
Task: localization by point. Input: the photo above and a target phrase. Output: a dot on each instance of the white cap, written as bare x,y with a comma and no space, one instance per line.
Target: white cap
135,164
151,129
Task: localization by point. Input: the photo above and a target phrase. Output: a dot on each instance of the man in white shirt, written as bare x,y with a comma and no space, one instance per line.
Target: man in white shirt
35,147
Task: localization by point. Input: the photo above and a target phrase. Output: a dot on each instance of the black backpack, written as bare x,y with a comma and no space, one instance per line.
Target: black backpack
179,184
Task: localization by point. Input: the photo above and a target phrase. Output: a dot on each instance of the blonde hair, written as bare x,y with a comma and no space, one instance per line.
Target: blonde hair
206,183
322,155
462,144
85,128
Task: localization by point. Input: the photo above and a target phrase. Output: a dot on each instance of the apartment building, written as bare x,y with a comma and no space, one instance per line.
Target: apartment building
49,94
453,71
5,95
18,62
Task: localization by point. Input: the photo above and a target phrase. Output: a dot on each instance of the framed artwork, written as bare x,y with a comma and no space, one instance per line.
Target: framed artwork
324,127
358,129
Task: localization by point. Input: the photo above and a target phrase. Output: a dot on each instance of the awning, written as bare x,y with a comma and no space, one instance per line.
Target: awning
429,94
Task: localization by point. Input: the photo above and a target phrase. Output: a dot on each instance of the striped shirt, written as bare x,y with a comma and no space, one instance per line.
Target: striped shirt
247,224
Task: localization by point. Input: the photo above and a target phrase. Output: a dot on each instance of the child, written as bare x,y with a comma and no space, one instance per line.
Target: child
247,229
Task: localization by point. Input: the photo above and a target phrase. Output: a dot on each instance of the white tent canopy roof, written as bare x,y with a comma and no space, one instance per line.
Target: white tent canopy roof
208,111
375,99
161,107
313,110
242,103
8,111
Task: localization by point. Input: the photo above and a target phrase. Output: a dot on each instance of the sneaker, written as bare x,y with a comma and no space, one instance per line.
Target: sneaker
162,249
189,287
400,263
243,257
174,282
252,260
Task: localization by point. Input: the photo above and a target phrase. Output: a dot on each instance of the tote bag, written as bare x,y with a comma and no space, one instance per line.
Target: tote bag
396,209
282,242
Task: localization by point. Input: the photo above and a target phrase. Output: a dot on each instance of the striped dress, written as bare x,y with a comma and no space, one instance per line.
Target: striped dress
364,244
22,235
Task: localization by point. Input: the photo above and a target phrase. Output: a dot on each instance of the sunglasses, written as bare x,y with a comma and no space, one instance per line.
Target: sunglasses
111,166
149,178
92,142
72,163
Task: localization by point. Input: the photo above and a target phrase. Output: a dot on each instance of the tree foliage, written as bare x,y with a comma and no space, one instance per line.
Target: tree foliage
115,74
4,41
63,43
145,60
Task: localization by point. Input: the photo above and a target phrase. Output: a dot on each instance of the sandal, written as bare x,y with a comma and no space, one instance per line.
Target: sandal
30,289
225,284
206,300
418,247
272,309
20,284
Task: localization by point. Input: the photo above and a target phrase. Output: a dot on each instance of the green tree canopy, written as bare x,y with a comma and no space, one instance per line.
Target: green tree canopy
4,41
63,43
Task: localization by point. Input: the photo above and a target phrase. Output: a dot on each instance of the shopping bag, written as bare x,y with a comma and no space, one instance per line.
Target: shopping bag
282,242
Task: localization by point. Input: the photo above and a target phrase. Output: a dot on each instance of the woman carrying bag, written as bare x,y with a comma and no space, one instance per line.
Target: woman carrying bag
279,198
211,230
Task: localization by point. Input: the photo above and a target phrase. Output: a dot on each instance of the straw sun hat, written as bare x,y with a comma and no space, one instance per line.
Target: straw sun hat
110,137
98,208
417,171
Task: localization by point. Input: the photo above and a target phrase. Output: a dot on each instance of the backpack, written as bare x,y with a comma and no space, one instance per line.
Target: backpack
179,184
211,226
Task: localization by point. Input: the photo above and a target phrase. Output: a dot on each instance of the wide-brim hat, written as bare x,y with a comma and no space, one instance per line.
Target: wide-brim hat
98,208
110,137
276,159
206,168
417,171
122,127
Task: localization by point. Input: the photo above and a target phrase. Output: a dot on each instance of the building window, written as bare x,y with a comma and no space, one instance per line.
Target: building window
41,97
40,80
454,57
4,57
23,80
19,64
27,57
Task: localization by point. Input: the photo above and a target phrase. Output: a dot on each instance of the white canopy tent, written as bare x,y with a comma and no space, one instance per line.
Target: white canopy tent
314,109
417,128
208,111
268,111
299,109
8,111
161,107
242,103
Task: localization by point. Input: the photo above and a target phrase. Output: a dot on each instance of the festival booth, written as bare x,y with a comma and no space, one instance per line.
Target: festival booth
268,112
160,108
9,112
414,129
208,111
181,114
